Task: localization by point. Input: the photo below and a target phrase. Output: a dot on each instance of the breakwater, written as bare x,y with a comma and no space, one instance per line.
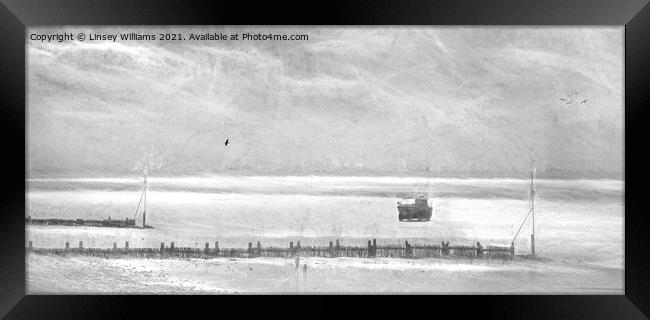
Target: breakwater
334,250
107,223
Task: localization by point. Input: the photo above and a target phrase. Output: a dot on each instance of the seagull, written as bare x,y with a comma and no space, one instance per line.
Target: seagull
567,101
584,101
226,143
569,98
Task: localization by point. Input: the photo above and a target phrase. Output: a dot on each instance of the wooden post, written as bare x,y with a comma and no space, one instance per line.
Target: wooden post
369,249
338,248
532,244
114,245
331,249
290,248
126,245
30,245
171,245
216,246
81,244
250,248
298,245
406,246
374,247
259,248
512,248
67,245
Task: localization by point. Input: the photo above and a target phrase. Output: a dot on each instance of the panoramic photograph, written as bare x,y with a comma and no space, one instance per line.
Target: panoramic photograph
302,160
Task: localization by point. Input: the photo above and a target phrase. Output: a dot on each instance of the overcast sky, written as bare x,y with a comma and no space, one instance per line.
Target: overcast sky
432,101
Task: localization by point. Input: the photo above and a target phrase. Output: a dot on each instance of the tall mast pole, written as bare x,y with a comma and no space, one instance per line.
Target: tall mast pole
532,209
144,213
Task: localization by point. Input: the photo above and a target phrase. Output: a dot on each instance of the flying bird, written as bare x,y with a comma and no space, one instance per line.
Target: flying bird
226,143
584,101
572,97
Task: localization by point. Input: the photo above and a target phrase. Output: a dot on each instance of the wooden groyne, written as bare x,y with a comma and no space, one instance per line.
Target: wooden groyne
106,223
334,250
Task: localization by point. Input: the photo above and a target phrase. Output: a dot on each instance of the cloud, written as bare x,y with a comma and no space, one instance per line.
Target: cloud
368,100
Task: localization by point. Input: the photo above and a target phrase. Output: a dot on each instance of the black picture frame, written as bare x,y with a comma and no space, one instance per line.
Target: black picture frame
16,15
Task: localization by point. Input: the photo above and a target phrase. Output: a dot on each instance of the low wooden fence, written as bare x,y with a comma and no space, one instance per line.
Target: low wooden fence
332,251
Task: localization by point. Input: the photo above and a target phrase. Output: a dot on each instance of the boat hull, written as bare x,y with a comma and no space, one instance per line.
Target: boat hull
414,213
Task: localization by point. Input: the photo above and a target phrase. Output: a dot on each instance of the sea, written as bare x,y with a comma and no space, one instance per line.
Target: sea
579,223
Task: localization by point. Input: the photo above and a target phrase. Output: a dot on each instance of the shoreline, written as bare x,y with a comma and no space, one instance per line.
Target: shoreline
324,275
